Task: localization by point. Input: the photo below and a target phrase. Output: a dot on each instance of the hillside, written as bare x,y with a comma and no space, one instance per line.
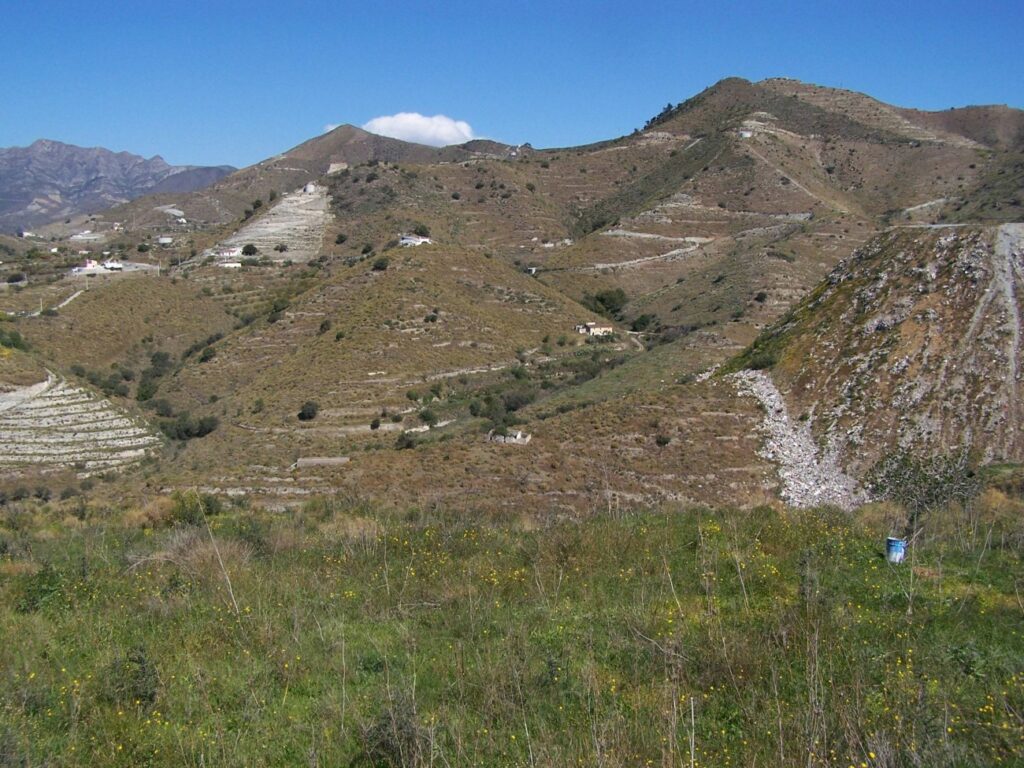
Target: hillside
48,180
914,342
335,150
722,218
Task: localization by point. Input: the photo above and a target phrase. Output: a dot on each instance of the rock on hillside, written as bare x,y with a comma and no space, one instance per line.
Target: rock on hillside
915,341
49,180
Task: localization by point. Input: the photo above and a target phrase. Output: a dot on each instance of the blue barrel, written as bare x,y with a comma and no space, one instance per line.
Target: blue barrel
895,549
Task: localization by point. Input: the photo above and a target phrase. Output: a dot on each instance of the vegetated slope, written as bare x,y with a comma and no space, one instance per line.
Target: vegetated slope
780,180
996,126
346,145
356,339
49,180
914,342
338,632
121,321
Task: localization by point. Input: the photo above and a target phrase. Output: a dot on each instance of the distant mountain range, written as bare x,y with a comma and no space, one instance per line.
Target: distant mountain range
49,180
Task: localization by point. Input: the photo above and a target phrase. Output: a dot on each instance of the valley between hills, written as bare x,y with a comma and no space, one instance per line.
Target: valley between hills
693,238
742,316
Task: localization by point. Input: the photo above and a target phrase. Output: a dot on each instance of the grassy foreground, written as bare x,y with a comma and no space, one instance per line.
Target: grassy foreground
343,636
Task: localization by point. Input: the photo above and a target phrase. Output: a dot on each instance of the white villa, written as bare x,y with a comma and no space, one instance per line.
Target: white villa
593,329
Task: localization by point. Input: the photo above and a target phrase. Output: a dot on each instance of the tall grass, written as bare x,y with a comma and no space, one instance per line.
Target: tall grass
365,637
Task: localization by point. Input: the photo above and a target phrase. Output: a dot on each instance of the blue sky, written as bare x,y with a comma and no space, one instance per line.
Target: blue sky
234,82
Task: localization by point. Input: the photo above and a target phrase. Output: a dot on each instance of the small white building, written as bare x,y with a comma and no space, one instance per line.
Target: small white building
409,240
165,240
230,264
229,253
593,329
88,267
512,438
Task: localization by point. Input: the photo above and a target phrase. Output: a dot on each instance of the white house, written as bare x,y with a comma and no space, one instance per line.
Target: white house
165,240
88,267
407,240
593,329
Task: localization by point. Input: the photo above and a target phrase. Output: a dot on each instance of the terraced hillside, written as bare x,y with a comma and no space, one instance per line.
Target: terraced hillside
292,229
56,425
688,238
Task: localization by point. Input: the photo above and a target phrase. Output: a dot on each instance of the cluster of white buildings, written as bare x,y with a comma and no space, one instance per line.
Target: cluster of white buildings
93,267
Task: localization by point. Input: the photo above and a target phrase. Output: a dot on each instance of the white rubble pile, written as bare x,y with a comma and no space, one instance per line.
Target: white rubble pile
808,479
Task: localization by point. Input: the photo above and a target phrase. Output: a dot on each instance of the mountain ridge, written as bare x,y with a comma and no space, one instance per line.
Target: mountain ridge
49,180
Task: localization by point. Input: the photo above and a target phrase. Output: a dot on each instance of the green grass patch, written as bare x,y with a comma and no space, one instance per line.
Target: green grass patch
341,636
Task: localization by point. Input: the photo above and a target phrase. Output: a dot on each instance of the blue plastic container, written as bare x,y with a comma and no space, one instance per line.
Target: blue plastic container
895,549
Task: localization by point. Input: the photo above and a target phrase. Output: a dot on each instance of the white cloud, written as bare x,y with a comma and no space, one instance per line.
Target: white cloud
331,126
437,131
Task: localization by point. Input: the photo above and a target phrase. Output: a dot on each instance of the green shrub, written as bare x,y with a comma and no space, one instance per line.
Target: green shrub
39,589
130,679
761,359
185,427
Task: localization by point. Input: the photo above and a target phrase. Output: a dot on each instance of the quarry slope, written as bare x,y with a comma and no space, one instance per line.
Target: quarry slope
914,342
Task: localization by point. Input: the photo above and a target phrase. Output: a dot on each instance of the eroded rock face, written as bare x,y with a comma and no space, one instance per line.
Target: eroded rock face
914,342
55,424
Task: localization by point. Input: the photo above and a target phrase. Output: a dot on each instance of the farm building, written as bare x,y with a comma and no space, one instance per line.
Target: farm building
593,329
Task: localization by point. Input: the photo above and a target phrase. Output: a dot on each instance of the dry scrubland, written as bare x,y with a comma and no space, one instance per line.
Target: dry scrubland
182,633
565,602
